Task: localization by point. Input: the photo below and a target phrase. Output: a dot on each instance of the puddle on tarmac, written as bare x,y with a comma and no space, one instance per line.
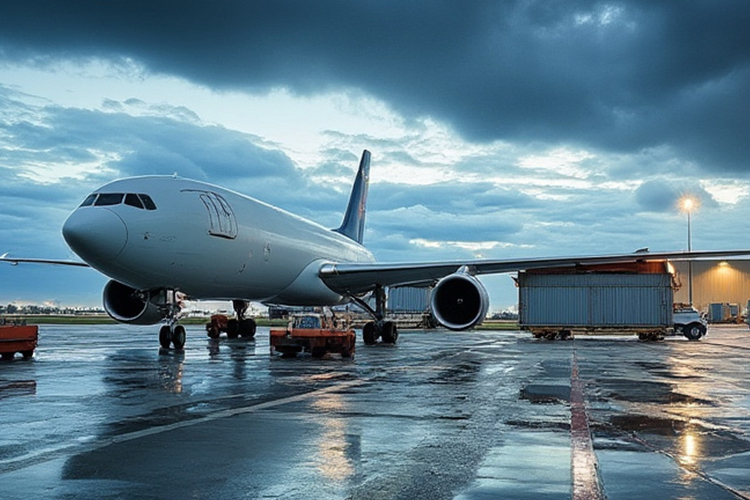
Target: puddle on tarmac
690,442
647,391
546,393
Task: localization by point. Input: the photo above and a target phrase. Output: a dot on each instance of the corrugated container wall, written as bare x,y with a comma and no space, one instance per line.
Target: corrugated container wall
407,299
595,300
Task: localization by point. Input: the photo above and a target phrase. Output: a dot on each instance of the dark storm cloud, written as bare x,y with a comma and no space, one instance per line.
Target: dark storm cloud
142,145
620,76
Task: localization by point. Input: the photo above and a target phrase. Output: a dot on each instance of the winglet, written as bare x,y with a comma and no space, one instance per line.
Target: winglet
354,219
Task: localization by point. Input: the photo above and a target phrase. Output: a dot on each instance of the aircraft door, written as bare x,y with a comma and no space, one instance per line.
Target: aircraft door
221,219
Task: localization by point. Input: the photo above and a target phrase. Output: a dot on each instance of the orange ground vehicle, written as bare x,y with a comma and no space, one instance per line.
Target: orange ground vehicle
18,338
313,333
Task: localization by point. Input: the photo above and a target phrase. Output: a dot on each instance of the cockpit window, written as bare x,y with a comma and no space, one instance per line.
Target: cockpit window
89,200
106,199
147,202
133,200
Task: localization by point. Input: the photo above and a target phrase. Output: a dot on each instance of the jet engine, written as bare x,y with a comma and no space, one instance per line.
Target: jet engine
128,305
460,301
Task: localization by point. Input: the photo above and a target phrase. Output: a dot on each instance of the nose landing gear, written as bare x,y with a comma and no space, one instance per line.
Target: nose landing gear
172,334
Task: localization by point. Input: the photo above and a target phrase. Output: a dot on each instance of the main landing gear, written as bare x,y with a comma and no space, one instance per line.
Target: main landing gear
241,327
378,329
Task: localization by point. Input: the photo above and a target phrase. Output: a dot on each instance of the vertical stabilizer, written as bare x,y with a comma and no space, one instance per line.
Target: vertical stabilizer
354,219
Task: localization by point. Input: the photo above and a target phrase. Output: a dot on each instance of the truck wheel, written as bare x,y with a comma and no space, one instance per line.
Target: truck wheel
694,331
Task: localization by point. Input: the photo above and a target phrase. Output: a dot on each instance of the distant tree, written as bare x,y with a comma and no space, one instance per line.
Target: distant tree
11,309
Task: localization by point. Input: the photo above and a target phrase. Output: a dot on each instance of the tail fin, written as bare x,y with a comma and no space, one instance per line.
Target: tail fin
354,219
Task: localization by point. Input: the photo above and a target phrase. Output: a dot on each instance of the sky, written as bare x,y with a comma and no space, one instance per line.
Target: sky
497,129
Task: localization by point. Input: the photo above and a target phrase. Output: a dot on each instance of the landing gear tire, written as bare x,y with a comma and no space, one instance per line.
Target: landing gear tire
369,333
179,337
390,333
165,336
247,328
233,329
694,331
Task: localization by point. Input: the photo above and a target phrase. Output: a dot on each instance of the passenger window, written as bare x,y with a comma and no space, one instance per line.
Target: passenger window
147,202
108,199
89,200
133,200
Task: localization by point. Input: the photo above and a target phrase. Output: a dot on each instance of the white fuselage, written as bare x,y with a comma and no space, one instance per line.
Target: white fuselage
207,242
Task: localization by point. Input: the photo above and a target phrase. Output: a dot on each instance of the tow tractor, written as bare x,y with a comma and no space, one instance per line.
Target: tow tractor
17,338
317,334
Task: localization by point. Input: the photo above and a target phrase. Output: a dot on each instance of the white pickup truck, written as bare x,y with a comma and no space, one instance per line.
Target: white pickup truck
688,322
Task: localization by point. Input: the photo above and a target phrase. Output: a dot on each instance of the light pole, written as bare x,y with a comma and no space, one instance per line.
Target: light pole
688,204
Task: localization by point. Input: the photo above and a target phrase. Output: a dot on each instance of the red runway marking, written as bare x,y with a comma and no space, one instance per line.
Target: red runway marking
584,468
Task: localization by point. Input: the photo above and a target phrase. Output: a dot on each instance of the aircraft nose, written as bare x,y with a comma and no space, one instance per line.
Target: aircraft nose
96,234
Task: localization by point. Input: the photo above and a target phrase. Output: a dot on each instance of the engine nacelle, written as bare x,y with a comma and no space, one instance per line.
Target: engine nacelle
128,305
460,301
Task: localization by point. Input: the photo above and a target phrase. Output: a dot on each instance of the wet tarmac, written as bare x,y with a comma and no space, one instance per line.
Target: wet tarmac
102,413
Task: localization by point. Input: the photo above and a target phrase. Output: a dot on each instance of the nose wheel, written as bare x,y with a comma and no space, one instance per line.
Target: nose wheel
172,335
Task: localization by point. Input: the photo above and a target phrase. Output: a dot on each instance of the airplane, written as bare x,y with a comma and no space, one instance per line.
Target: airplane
163,238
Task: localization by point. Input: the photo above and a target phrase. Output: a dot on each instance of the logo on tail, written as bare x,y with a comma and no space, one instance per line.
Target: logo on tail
354,219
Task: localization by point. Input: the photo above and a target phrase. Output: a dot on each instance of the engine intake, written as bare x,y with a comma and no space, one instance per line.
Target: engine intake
128,305
460,301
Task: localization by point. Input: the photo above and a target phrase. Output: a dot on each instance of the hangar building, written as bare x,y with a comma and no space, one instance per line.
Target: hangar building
715,281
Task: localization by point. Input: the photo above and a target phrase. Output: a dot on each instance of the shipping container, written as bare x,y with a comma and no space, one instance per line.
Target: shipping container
595,301
722,312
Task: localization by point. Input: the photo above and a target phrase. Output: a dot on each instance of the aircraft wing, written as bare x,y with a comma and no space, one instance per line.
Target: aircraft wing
360,278
15,261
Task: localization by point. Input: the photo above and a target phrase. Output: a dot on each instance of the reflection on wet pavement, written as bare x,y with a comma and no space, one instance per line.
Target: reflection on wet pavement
476,415
684,418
